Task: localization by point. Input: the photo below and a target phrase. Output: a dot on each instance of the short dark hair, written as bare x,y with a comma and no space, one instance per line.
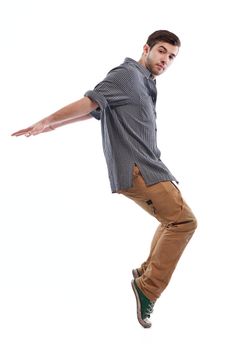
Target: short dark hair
165,36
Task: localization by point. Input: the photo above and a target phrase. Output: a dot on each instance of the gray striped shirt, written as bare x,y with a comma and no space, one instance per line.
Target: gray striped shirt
126,99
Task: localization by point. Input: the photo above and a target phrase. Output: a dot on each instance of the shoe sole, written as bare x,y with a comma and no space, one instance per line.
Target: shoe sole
140,320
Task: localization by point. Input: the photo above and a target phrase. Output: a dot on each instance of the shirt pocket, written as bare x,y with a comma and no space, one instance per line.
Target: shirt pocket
147,108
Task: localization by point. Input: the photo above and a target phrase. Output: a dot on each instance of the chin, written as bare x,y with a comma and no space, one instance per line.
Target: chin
158,73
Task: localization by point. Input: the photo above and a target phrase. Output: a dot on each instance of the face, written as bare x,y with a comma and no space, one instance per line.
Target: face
159,58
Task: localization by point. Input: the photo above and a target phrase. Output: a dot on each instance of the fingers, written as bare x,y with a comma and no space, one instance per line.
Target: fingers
26,132
34,129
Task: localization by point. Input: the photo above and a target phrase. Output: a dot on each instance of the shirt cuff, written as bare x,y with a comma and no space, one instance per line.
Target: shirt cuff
98,98
96,114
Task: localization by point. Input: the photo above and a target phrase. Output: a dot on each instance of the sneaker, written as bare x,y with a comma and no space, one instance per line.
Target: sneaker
144,306
136,273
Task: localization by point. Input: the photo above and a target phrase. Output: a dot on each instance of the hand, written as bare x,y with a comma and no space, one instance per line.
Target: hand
35,129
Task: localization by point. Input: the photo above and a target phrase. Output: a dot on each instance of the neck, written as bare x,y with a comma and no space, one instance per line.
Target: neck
142,62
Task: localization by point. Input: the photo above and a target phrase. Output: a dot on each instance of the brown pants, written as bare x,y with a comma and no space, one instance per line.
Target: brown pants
177,224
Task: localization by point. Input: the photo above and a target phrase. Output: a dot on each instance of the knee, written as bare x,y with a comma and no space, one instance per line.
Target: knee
193,223
190,222
190,228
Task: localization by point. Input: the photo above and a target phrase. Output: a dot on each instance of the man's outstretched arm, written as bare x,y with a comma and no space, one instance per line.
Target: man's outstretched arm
76,111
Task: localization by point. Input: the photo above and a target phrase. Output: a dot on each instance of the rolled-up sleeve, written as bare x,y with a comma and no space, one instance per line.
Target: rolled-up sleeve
98,98
111,92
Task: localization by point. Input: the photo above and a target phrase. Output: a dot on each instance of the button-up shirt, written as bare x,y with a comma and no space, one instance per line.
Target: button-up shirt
127,99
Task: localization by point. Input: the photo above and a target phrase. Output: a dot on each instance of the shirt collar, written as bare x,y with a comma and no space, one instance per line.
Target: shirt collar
144,70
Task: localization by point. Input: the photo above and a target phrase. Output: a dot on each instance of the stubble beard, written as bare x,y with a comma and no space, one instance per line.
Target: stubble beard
151,67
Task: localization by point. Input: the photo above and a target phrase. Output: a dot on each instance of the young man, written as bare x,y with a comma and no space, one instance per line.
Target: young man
124,102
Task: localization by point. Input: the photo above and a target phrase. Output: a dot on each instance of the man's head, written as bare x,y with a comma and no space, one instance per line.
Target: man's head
159,52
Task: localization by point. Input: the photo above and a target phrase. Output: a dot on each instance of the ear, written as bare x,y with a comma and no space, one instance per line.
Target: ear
146,49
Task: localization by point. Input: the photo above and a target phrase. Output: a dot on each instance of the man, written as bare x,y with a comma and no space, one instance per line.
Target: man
124,102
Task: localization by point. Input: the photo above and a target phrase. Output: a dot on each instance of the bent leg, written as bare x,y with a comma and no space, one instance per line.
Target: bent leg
166,253
164,201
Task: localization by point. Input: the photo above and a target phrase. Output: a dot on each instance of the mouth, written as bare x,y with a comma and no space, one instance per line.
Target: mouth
160,66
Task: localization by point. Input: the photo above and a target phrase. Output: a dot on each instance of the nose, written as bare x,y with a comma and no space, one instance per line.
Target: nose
165,59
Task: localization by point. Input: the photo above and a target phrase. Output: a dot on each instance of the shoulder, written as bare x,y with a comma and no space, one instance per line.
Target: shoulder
126,69
124,76
118,73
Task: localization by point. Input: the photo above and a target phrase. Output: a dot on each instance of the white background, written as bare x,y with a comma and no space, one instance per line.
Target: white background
67,245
